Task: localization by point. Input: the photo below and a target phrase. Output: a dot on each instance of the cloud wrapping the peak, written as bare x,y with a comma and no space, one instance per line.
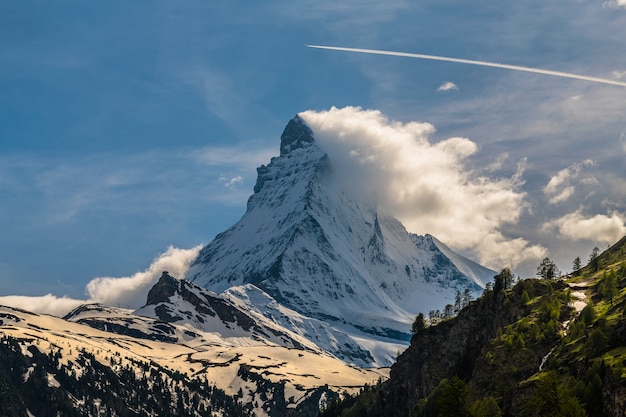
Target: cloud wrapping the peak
428,186
129,292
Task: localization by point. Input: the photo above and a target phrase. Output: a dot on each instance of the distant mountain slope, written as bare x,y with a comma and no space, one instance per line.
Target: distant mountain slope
319,250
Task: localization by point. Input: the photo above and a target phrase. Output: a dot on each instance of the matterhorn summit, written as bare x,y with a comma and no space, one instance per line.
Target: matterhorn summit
313,246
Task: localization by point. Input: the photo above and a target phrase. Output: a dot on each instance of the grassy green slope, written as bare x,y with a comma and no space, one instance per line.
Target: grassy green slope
553,348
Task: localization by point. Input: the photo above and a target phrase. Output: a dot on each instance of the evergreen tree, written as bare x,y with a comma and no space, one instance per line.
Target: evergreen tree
503,281
594,259
457,302
485,407
467,297
608,288
419,324
452,401
548,269
576,265
551,399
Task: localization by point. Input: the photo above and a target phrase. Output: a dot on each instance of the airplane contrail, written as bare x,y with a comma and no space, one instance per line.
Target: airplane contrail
472,62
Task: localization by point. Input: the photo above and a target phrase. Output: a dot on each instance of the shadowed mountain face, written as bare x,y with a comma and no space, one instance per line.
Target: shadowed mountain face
318,249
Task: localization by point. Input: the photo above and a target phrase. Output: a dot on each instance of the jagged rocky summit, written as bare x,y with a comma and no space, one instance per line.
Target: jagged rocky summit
315,248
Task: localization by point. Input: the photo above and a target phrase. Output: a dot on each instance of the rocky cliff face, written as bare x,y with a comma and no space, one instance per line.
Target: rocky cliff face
317,249
458,347
180,302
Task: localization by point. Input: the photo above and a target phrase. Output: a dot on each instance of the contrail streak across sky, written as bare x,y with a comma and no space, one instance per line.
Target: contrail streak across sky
472,62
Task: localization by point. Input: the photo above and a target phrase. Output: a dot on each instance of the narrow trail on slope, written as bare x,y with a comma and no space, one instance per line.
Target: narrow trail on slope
579,302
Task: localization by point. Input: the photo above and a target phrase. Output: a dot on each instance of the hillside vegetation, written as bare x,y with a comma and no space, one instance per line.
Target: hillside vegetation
541,348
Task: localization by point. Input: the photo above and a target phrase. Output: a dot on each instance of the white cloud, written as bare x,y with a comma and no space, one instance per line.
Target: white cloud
563,195
128,291
615,3
447,86
559,187
599,228
428,186
131,291
231,183
45,304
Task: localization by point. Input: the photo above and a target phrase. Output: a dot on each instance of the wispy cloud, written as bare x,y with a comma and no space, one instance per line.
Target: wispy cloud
231,183
447,86
60,189
615,3
427,185
560,187
243,155
130,291
499,163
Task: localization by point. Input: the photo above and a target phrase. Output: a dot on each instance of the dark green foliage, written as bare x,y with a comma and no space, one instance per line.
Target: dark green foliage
588,315
496,347
525,297
419,324
452,400
485,407
503,281
596,343
594,259
576,265
552,399
448,399
121,393
550,310
368,402
548,269
608,287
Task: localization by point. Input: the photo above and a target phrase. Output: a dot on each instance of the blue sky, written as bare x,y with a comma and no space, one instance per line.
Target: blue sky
127,127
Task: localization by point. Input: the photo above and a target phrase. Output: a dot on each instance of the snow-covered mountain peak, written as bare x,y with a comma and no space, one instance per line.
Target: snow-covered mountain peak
297,134
329,254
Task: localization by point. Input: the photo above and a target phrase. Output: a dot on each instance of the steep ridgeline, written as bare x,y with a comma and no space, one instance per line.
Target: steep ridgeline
312,247
230,316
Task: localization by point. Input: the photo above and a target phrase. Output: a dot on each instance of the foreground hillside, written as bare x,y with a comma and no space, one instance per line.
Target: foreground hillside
541,348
